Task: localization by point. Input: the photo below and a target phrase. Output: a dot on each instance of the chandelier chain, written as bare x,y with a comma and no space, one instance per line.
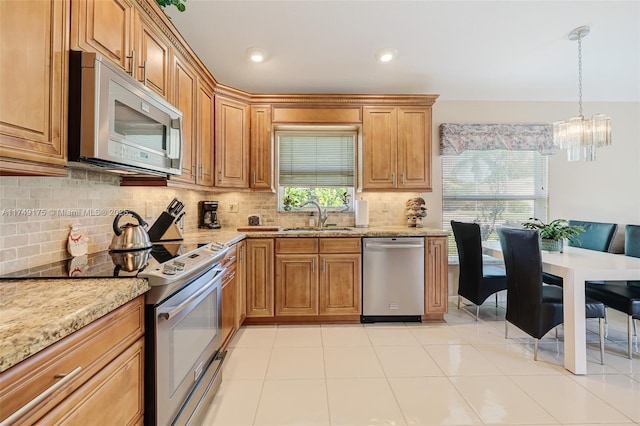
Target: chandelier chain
580,75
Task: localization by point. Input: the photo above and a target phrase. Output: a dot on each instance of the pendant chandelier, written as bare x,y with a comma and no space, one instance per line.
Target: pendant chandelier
578,135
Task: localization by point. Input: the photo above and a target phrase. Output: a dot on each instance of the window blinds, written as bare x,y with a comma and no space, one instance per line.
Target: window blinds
307,160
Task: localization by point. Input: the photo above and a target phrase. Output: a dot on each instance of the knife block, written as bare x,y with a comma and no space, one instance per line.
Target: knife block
162,230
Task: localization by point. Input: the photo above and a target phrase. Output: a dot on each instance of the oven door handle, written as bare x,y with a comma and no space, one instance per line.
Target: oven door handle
177,309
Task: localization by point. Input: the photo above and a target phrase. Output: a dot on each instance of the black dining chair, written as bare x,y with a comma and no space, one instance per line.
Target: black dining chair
533,307
597,236
477,281
623,296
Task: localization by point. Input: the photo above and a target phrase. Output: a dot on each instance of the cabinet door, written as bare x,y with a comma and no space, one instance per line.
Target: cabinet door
105,27
340,284
153,56
204,126
33,85
260,147
114,396
184,98
296,284
229,294
241,284
259,277
414,148
436,276
379,143
231,144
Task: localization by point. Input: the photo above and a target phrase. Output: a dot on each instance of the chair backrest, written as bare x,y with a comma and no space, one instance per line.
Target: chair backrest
596,236
632,240
469,243
523,264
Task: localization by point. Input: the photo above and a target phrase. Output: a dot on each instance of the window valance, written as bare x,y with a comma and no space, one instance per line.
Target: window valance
456,138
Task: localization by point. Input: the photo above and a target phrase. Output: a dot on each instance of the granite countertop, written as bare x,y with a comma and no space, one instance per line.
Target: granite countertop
231,237
37,313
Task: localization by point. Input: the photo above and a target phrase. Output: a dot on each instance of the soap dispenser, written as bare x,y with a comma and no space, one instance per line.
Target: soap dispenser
77,244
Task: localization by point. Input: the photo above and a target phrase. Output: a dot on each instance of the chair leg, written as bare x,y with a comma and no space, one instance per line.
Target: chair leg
556,331
629,346
635,330
601,321
496,300
477,311
506,329
459,301
535,349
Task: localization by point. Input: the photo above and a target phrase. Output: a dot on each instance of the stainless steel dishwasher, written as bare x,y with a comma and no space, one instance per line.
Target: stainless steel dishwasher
392,279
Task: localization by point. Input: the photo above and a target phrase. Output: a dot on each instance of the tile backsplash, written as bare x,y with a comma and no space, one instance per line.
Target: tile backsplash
36,213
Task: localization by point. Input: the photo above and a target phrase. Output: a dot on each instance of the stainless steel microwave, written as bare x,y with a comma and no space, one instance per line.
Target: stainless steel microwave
118,124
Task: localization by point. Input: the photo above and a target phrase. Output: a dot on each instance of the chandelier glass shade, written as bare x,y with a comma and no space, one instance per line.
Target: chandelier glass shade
579,136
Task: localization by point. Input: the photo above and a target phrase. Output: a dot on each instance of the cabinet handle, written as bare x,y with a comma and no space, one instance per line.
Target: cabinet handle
132,63
313,265
144,73
219,175
402,178
393,178
254,178
64,379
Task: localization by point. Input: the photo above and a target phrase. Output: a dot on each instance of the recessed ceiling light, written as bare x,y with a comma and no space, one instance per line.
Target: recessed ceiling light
386,55
256,55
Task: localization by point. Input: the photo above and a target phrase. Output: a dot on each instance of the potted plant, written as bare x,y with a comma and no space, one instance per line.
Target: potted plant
552,234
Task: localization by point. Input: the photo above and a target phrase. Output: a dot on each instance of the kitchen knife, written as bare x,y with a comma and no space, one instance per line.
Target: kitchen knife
172,205
178,209
179,217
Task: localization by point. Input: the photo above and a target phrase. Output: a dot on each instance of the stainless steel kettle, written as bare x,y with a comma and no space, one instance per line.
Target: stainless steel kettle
130,236
129,261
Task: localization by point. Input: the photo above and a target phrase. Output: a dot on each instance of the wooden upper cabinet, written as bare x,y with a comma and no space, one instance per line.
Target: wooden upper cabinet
231,143
105,27
184,98
153,55
379,147
260,161
33,86
396,148
414,148
205,129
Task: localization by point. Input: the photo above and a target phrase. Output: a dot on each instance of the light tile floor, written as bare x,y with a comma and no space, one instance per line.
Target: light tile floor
458,373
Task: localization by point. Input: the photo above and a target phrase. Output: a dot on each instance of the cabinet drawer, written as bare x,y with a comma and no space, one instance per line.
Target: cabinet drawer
296,245
340,245
91,348
231,256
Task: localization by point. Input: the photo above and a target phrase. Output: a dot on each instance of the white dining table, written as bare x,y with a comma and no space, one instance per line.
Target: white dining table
575,266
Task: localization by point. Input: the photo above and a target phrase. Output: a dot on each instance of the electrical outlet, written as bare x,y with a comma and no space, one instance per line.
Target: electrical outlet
385,207
233,207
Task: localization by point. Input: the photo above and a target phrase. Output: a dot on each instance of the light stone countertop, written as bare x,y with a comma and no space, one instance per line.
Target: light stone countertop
37,313
230,236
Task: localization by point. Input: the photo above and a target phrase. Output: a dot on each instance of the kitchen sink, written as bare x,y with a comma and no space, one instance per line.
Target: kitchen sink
313,228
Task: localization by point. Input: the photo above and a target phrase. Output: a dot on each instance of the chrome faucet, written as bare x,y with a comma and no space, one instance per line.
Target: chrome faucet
322,214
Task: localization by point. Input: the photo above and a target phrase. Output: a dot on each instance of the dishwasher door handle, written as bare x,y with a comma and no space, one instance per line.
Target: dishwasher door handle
393,246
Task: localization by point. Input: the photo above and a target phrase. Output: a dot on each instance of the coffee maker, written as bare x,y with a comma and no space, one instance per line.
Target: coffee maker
208,215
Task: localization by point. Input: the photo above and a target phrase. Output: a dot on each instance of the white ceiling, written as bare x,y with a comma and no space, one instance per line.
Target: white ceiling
461,50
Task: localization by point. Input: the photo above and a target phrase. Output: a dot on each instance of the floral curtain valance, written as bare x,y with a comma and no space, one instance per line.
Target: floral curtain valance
456,138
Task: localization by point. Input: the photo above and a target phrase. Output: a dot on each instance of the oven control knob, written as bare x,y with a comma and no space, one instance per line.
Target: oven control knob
178,265
169,270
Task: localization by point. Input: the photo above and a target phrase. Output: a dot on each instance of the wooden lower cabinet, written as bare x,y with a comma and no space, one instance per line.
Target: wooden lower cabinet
436,278
229,296
103,368
114,396
340,284
296,291
259,277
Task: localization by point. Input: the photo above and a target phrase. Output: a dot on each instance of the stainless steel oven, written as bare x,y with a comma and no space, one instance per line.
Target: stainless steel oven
183,327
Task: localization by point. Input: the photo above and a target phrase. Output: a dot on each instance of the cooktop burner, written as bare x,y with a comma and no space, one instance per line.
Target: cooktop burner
107,264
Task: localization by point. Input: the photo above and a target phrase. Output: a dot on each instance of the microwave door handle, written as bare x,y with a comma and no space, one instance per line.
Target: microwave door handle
175,146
